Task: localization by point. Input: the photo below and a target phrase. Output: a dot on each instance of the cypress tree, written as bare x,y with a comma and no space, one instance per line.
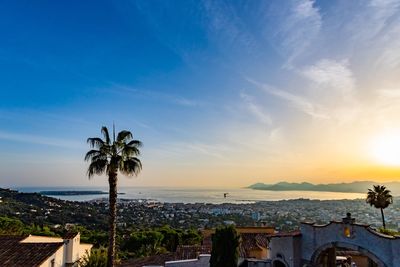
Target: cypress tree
225,247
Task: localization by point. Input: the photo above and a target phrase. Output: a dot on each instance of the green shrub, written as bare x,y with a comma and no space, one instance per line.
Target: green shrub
144,243
388,231
96,258
9,226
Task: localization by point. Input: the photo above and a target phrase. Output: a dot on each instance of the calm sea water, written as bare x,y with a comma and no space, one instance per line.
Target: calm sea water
198,195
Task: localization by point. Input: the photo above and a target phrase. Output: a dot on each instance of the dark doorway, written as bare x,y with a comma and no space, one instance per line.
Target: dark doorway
278,263
337,257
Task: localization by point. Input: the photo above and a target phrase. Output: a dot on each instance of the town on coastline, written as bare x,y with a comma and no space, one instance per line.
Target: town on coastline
284,215
264,220
200,133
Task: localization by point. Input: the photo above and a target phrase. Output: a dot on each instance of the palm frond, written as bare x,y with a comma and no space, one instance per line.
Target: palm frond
135,143
92,153
106,135
130,167
95,142
379,197
124,136
110,156
129,151
97,167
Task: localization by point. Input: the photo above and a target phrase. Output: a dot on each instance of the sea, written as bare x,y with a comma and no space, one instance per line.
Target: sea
196,195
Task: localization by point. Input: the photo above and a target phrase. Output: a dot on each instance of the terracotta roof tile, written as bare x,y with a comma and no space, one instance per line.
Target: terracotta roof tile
17,254
250,241
187,252
285,234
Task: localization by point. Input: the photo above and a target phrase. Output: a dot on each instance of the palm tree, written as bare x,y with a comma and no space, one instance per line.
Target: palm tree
380,198
108,157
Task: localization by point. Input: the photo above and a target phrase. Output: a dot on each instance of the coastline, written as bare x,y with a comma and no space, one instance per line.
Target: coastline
195,195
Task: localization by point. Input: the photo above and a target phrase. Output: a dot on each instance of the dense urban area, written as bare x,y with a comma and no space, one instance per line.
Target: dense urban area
283,215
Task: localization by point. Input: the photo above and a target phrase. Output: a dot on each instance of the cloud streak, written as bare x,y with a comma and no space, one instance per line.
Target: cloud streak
169,98
40,140
300,27
295,101
256,110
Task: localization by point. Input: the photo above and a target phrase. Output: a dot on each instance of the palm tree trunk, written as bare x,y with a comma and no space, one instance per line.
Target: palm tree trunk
383,219
112,180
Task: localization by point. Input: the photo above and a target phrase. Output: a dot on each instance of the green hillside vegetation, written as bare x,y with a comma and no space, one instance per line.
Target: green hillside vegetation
33,208
22,214
138,243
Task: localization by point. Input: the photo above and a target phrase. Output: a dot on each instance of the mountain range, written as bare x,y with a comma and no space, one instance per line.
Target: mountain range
353,187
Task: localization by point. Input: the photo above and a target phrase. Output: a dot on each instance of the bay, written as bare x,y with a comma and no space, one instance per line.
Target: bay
197,195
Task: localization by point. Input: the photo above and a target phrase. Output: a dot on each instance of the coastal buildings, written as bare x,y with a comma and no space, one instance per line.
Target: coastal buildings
284,215
42,251
313,245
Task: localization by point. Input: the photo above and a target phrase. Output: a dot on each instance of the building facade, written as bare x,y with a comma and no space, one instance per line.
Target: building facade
42,251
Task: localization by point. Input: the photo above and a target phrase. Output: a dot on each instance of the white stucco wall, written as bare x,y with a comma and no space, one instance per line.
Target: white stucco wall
288,247
58,258
84,248
70,252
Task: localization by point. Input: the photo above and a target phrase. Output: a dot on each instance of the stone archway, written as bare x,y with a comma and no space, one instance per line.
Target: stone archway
344,245
279,262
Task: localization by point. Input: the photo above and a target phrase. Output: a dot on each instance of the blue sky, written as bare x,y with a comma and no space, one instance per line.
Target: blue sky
220,92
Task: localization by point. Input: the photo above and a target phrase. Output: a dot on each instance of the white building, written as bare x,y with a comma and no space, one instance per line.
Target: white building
42,251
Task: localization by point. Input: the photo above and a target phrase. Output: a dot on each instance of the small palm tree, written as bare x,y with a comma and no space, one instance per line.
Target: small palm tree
380,198
108,157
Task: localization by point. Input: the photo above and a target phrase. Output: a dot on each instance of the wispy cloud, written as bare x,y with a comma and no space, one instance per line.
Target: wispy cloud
190,150
390,43
295,101
299,28
226,25
40,140
331,73
333,87
256,110
371,20
42,117
169,98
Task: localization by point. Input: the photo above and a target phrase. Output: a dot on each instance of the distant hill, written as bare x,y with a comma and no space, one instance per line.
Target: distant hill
353,187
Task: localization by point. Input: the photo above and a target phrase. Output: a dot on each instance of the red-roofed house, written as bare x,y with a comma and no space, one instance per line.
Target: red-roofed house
41,251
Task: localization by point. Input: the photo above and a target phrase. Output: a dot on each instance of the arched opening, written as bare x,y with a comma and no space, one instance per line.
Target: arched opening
278,263
342,254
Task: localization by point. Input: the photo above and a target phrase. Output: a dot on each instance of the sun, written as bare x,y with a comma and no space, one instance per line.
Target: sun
385,148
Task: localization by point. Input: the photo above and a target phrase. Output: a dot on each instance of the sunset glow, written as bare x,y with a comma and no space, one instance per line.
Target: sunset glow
219,92
386,149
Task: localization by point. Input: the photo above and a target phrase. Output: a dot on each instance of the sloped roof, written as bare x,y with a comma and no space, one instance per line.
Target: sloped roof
286,234
17,254
251,242
70,235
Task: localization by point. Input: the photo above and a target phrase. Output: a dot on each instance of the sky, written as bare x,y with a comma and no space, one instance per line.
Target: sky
221,93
